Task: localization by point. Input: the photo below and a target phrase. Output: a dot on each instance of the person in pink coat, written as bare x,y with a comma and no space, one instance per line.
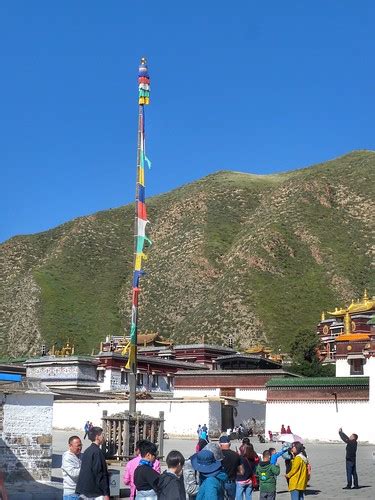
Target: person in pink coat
130,468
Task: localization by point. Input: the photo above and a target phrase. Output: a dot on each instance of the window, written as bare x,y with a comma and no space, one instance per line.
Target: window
100,375
155,381
124,377
169,382
356,367
139,379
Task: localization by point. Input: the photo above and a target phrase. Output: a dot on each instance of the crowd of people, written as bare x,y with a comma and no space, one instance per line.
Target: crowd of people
213,472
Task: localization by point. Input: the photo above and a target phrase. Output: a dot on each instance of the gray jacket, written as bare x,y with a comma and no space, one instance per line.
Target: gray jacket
191,480
71,465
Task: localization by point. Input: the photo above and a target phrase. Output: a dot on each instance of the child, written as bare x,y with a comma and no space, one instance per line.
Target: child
171,483
277,454
132,465
266,474
145,477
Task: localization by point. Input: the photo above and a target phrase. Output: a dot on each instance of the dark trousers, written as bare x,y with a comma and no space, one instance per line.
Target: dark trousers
230,489
269,495
351,471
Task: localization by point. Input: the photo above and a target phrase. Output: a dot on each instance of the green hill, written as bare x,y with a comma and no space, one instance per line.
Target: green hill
255,257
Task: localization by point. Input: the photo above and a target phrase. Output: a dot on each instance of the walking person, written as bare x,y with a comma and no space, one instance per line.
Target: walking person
171,482
297,476
86,428
70,468
93,479
351,459
133,464
232,466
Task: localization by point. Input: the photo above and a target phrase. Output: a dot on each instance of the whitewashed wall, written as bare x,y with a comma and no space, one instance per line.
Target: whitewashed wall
112,382
28,414
252,394
26,437
181,417
320,421
196,393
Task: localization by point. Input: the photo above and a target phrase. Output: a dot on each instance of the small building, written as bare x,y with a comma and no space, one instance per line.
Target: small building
64,372
26,412
155,374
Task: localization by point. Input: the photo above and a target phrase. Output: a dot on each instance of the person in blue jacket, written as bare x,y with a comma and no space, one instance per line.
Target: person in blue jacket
212,476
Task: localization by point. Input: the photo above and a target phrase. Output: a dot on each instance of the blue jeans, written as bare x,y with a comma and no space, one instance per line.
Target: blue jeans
73,496
351,471
296,494
230,488
243,490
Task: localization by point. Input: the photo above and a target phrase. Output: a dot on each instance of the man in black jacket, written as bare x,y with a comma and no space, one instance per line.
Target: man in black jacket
93,480
351,455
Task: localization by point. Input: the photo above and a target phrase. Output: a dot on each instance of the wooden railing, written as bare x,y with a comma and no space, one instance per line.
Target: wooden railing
123,430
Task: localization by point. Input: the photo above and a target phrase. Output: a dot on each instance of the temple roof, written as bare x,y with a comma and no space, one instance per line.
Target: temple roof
363,305
144,339
352,337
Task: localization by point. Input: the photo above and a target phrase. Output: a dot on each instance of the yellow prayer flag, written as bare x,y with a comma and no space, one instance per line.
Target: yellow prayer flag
141,175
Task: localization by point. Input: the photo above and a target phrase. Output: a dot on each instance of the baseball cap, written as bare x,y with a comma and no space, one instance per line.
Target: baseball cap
224,439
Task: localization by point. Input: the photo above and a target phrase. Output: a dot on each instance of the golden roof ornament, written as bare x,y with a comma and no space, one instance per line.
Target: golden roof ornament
366,304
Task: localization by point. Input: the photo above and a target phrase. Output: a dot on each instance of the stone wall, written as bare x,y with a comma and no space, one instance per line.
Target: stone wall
26,436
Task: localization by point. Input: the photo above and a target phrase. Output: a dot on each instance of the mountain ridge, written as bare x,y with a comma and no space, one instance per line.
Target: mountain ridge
227,249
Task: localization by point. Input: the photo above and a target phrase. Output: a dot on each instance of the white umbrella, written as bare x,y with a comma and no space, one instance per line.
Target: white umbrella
289,438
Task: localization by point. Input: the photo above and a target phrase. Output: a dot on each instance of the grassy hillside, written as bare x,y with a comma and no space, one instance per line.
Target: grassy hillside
255,257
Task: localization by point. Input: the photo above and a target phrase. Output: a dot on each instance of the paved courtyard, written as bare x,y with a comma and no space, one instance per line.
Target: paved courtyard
328,467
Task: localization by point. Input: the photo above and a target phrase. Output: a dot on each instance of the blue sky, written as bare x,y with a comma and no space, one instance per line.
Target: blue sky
254,86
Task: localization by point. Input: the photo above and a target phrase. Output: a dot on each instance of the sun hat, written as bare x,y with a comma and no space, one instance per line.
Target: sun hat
224,439
216,450
204,462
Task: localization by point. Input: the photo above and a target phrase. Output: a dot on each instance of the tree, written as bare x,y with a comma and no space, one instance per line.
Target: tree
304,355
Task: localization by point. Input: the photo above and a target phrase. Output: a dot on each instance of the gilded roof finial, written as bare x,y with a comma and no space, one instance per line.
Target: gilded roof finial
365,295
347,323
323,316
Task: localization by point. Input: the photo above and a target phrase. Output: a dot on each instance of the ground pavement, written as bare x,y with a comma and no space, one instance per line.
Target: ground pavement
327,460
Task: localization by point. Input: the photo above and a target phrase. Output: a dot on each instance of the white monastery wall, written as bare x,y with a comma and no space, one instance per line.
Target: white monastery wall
196,393
181,417
29,414
26,437
343,368
112,382
252,394
320,421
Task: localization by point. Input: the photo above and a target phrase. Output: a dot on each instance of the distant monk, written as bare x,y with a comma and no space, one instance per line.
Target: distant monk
283,430
288,430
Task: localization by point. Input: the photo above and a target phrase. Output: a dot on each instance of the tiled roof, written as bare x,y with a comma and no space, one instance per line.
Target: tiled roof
318,382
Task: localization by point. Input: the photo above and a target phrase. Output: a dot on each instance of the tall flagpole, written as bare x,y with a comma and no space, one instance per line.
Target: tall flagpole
140,221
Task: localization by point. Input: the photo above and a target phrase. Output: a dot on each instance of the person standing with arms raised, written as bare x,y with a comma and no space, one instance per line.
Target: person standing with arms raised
351,459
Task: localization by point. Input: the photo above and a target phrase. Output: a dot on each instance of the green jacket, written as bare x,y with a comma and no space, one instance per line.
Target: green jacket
266,474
